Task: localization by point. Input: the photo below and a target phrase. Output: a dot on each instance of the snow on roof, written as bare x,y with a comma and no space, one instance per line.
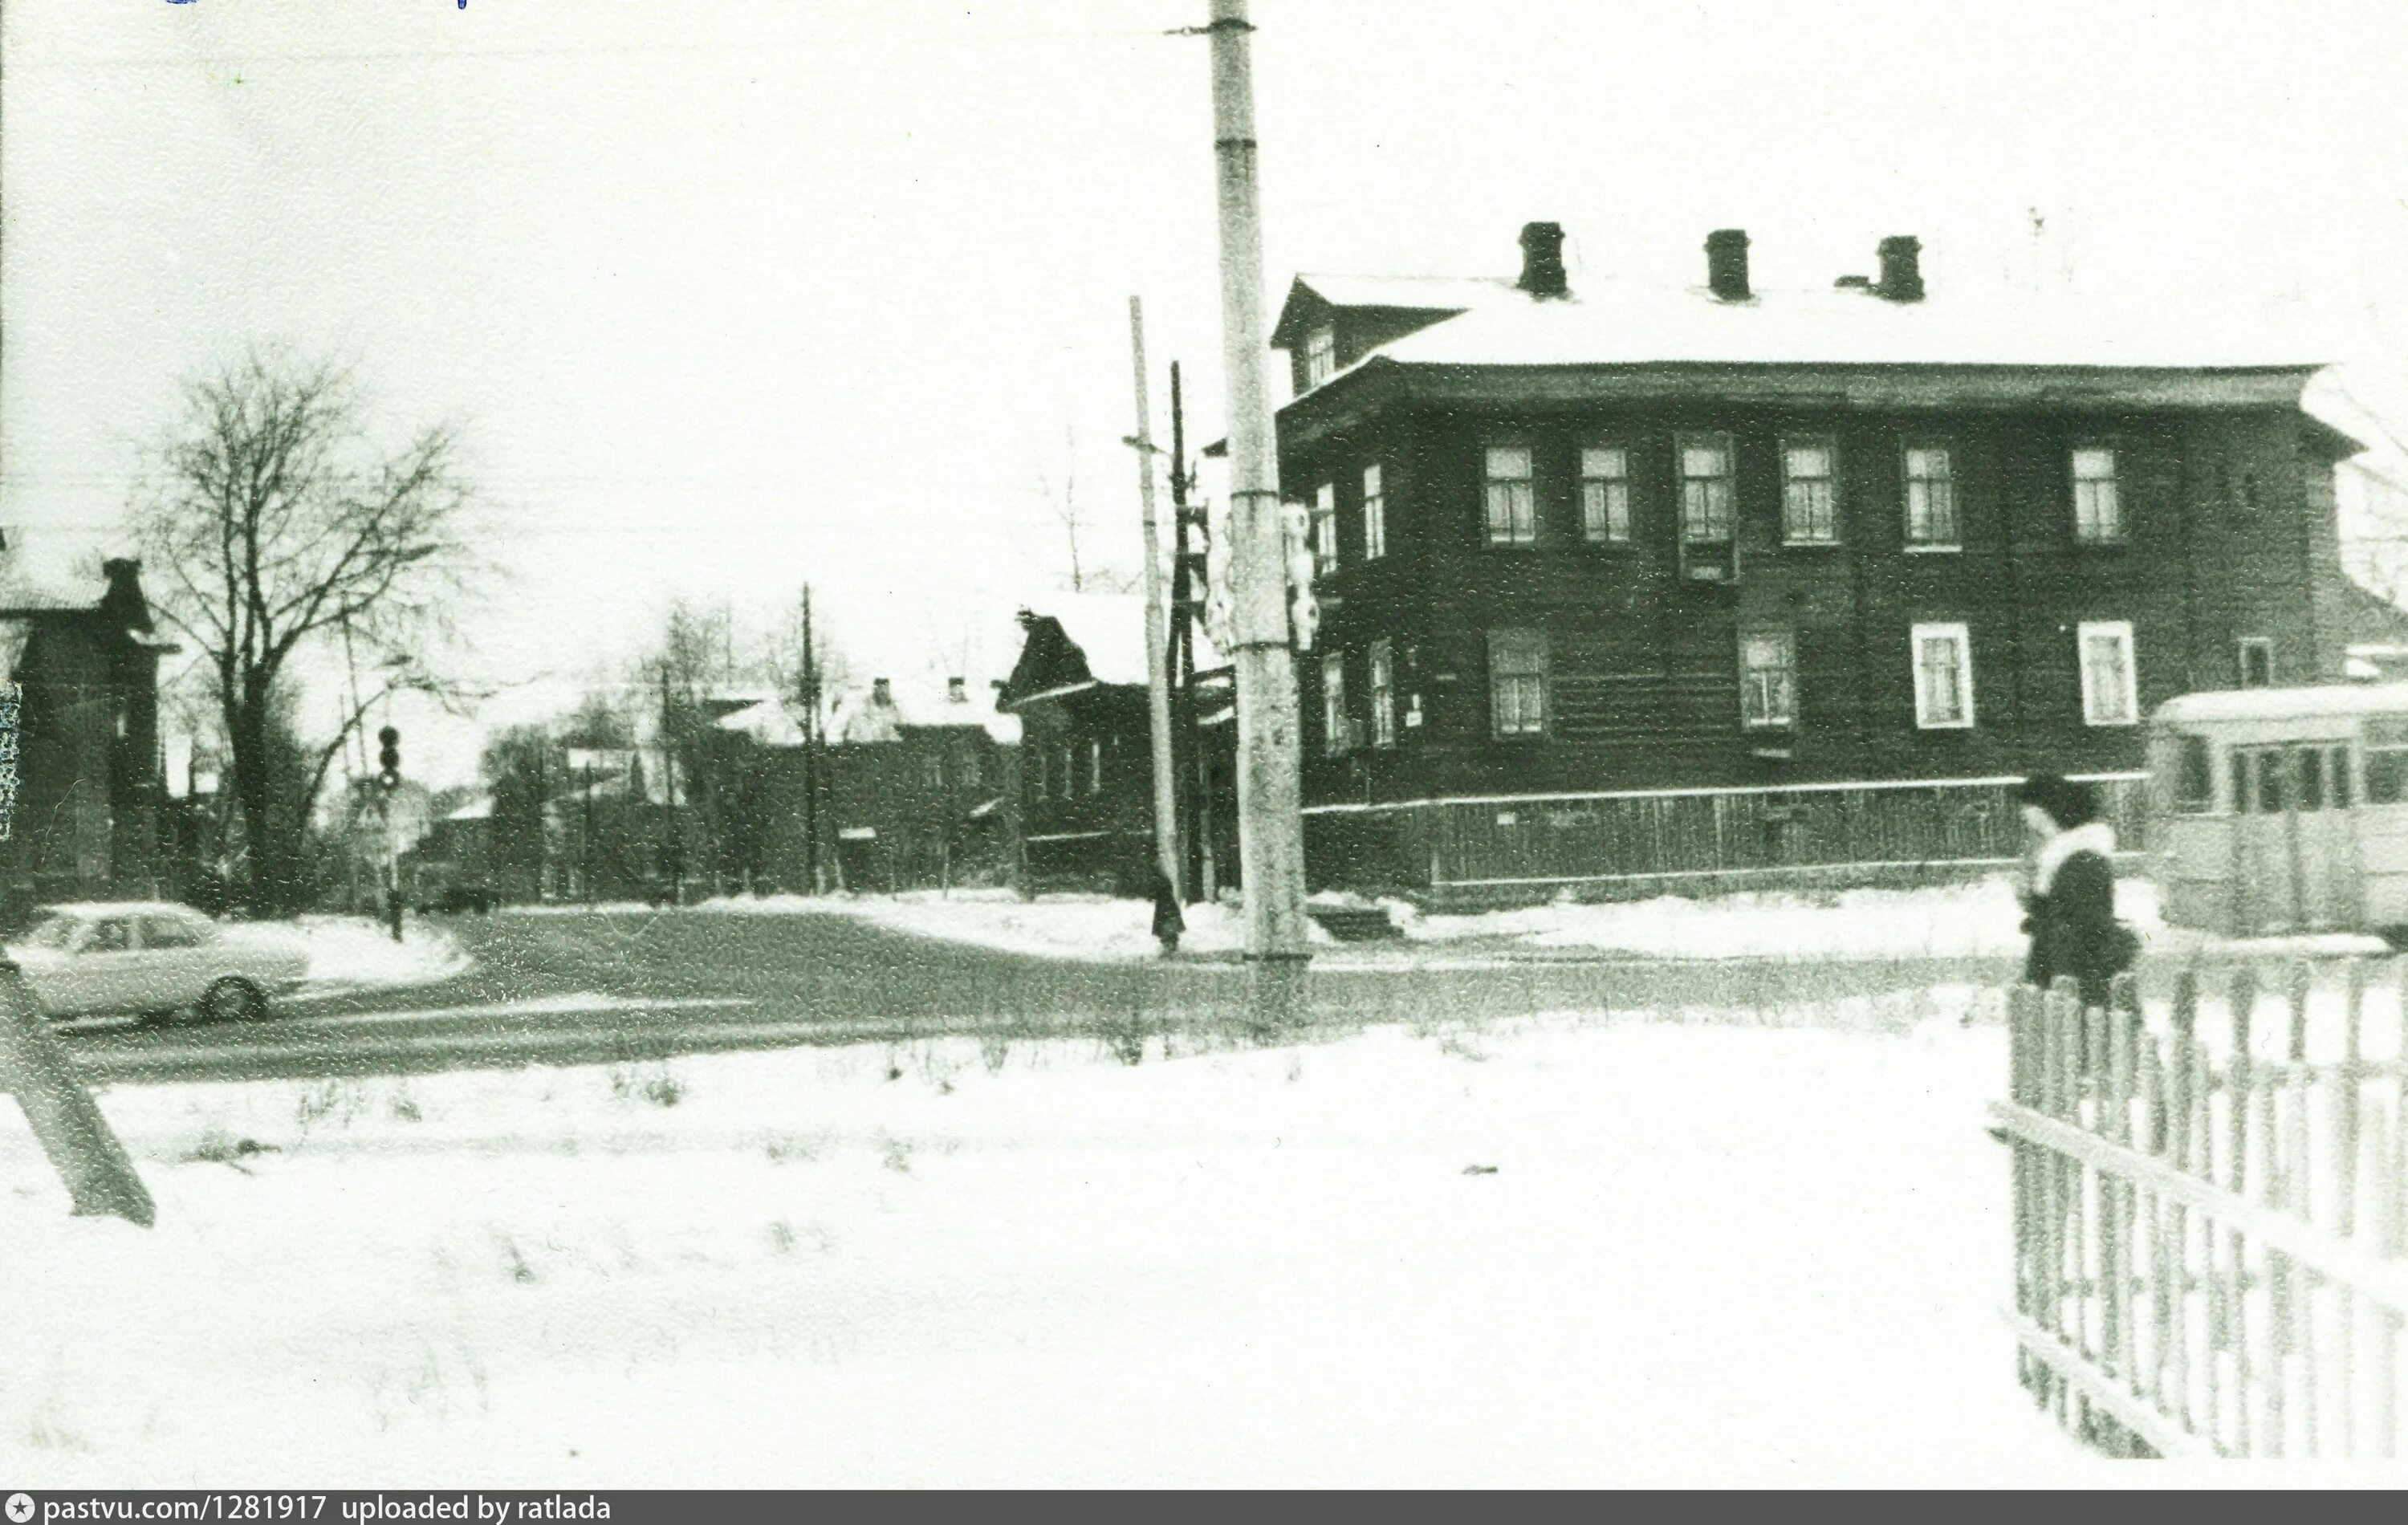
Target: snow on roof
2330,700
1428,293
924,703
1622,324
1110,629
766,721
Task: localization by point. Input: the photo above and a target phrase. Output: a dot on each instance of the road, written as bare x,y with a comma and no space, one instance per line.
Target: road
577,988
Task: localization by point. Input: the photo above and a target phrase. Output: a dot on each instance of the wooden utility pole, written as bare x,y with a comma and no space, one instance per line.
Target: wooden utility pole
1270,819
1186,592
1157,626
810,752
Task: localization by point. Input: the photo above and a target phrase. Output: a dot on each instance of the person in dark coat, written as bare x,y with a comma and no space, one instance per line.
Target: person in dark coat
1167,922
2069,901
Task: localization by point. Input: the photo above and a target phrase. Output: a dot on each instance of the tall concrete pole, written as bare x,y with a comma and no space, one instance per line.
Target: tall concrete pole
1158,626
1270,823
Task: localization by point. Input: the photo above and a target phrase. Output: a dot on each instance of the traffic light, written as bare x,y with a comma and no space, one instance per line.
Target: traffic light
389,758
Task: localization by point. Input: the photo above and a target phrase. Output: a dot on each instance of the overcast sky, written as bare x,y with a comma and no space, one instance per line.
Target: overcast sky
734,294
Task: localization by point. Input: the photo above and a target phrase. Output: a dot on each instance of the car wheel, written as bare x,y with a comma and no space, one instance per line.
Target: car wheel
234,1000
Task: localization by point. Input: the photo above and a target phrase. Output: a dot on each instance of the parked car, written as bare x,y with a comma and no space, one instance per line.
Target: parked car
153,958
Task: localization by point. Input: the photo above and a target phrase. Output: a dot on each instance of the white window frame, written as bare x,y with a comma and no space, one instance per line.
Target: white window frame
1095,767
1722,507
1938,630
1320,354
1946,481
1605,493
1509,504
1791,484
2093,711
2112,526
1383,693
1375,513
1526,715
1764,709
1324,531
1333,704
2255,643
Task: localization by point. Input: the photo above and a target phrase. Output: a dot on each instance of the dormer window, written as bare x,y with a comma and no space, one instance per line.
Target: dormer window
1320,355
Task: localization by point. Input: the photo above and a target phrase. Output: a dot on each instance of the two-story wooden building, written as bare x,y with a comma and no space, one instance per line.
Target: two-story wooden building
1085,797
1718,585
86,817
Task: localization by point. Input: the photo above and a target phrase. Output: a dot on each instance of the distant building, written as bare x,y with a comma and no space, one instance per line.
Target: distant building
914,786
1086,780
87,818
1665,587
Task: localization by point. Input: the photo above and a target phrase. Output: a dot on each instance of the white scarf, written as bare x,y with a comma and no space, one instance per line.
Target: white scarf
2097,837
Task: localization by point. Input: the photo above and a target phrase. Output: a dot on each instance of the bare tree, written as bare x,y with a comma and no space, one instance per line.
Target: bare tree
282,526
1060,491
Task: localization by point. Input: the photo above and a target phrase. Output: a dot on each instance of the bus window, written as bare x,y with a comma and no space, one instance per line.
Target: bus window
2387,776
2337,766
2269,783
2312,777
2194,777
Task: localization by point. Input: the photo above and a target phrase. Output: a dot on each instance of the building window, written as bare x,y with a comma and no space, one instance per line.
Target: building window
2098,503
1513,504
1517,682
1333,703
1706,491
1038,781
1320,355
1324,529
1768,679
1944,677
1810,511
1095,768
2257,662
2109,693
1375,515
1605,494
1069,775
1930,498
2194,777
1383,695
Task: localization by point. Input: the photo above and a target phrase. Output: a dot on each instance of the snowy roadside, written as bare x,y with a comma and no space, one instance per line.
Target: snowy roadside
1561,1250
354,953
1975,920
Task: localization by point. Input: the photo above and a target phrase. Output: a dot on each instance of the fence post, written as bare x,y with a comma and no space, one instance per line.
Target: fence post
66,1122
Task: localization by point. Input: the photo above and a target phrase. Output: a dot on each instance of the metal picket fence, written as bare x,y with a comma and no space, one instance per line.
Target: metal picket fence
2208,1214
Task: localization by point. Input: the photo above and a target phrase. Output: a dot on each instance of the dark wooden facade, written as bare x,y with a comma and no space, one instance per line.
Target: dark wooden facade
1644,767
87,820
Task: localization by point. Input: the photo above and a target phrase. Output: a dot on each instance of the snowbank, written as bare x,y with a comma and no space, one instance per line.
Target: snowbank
1553,1252
1975,920
354,953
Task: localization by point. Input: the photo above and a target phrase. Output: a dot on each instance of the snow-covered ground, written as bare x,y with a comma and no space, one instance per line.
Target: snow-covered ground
1977,919
1564,1250
354,953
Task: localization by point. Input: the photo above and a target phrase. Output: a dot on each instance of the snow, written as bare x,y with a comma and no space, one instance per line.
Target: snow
1981,919
354,953
1555,1251
1089,927
2332,699
1626,323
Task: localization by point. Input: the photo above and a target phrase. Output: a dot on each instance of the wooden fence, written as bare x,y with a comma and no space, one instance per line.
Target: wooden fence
2208,1214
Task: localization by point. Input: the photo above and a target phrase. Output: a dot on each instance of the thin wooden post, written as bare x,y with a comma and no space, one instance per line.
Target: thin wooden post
2022,1051
2388,1185
2181,1071
2236,1166
2115,1201
2153,1111
2277,1274
66,1122
2075,1052
2347,1121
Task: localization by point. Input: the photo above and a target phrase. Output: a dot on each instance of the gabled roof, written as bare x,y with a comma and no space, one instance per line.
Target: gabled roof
1407,294
1080,640
918,704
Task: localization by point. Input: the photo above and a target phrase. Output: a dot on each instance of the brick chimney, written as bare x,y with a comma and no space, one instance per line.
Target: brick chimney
882,693
121,598
957,691
1726,263
1542,260
1901,269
